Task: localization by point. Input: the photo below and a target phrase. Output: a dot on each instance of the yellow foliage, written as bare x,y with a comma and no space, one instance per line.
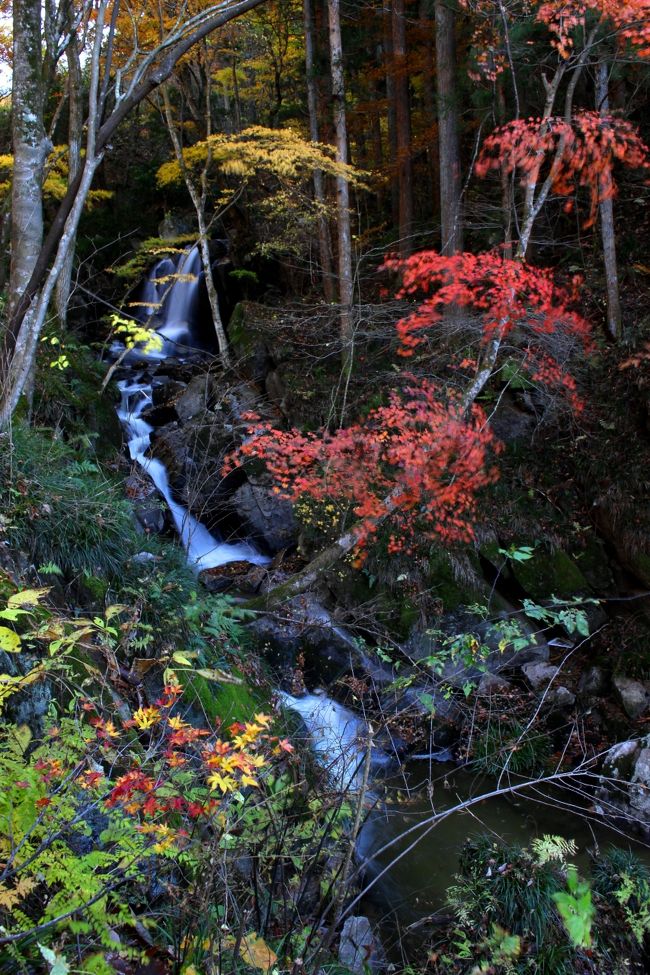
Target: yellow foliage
282,153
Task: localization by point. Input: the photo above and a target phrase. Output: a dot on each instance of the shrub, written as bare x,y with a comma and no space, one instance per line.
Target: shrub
61,510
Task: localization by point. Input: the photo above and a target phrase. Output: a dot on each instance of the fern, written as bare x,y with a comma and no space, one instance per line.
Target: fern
549,849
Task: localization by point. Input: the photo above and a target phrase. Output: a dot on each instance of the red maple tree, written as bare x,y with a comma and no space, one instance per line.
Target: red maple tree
420,460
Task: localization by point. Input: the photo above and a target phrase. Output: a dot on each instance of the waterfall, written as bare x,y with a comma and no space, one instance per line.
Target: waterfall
172,307
170,304
338,737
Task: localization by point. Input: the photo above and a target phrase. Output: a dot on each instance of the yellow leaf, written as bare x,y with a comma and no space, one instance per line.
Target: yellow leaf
23,736
219,675
9,641
181,658
29,597
256,952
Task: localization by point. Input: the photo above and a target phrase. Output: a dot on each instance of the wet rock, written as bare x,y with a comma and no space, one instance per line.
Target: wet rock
359,948
30,705
620,760
305,627
539,675
150,514
196,398
640,789
234,575
592,684
169,445
633,695
266,516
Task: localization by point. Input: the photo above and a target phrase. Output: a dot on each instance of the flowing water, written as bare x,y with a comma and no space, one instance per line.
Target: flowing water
408,862
173,305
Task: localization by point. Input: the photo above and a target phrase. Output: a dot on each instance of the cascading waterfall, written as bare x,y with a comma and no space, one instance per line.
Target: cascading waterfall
172,307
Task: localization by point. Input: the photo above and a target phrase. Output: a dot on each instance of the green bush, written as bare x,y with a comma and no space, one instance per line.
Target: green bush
62,511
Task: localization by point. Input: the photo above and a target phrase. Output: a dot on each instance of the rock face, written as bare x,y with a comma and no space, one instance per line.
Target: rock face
625,785
633,695
266,516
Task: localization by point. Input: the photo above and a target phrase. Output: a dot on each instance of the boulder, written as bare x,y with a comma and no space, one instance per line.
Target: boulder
640,788
359,948
592,684
196,398
633,695
266,516
620,760
561,697
491,684
540,675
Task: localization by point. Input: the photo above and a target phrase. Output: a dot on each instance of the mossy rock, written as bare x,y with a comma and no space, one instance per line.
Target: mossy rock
446,587
225,702
550,573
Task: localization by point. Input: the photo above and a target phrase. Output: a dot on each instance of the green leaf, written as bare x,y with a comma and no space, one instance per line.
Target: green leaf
58,964
9,641
29,597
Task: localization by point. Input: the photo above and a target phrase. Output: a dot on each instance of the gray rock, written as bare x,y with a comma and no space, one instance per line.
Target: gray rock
640,789
196,398
266,516
539,675
561,697
620,760
591,684
359,948
491,684
633,695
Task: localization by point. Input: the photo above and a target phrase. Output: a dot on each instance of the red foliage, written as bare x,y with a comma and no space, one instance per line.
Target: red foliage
419,460
630,19
583,151
506,294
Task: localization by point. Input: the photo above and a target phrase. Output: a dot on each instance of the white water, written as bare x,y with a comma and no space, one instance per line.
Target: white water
338,736
179,307
204,551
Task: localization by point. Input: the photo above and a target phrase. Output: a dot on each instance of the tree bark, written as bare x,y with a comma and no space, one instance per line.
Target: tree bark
198,197
606,210
30,148
342,186
402,129
75,136
324,240
451,220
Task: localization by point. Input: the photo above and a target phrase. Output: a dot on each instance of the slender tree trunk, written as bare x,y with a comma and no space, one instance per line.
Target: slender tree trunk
403,129
451,220
198,202
75,136
342,186
391,110
324,240
429,100
606,209
30,147
507,179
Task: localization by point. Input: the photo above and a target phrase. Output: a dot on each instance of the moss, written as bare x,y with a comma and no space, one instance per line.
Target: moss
225,702
550,573
446,587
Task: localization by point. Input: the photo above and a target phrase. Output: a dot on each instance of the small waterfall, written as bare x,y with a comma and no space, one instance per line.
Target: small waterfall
204,551
170,304
172,308
338,736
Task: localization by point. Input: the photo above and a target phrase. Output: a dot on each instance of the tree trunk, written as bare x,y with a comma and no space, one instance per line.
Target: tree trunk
75,136
342,186
391,110
198,201
30,147
451,221
324,240
402,129
606,209
429,103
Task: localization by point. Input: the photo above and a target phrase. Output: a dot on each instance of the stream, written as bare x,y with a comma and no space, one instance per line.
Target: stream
406,882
